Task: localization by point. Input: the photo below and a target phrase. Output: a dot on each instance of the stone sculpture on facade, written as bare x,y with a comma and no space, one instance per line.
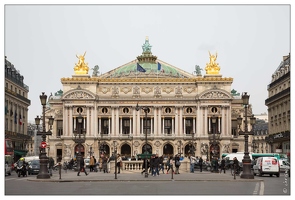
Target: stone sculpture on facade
198,70
95,70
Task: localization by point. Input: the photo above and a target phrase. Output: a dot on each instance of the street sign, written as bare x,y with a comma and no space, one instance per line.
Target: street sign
43,144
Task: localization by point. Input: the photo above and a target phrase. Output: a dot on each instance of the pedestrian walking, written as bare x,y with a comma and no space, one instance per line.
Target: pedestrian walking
82,167
143,165
161,166
222,166
192,163
119,163
177,164
50,165
201,163
170,164
91,164
156,164
105,164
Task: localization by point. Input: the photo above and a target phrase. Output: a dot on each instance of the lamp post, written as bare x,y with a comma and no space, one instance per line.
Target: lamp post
145,109
79,139
192,145
213,139
246,161
43,173
115,152
131,137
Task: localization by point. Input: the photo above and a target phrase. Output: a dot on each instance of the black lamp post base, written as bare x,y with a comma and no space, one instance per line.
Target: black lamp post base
43,176
43,173
247,176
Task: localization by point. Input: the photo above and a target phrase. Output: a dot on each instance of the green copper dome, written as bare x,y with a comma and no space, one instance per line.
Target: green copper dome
147,65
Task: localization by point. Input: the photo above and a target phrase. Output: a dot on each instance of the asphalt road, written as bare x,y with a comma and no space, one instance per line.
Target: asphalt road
88,185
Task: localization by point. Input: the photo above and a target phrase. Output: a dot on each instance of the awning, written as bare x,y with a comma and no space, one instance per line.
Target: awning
20,152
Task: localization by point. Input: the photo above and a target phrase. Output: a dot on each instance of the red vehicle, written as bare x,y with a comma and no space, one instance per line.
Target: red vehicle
8,147
9,152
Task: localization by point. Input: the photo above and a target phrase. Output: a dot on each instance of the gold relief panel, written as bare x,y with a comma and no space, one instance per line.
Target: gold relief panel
189,89
105,90
168,90
147,89
126,89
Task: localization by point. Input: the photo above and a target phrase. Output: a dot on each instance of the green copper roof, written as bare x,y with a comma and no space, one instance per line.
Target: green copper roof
148,62
151,68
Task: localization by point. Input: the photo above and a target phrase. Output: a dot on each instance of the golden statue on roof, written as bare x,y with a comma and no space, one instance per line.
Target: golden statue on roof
81,67
212,67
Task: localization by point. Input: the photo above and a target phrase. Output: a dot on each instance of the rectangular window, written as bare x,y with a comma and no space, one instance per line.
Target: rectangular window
168,126
59,131
125,126
147,126
189,126
104,126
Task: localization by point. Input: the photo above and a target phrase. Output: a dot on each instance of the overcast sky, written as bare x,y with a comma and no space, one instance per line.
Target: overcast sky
42,41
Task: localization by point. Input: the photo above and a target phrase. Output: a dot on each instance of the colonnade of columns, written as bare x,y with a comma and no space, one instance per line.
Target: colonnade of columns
201,121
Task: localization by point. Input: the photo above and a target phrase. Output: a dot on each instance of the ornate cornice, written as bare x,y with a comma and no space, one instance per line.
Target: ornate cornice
144,80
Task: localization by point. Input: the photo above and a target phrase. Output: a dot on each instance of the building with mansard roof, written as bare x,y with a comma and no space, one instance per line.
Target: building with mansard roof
279,107
16,110
149,100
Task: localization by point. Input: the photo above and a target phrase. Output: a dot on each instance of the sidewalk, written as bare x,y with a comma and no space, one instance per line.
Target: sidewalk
71,176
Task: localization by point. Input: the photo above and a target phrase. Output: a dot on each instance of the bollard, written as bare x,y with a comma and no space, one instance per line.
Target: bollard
171,171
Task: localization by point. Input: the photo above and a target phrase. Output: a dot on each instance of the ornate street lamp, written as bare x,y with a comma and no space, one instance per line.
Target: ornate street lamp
77,136
43,173
115,152
145,109
214,139
246,161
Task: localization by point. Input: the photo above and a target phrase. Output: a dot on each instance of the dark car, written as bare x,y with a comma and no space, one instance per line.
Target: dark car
34,167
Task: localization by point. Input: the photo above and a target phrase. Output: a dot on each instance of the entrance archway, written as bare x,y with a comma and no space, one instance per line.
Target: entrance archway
149,149
168,150
126,151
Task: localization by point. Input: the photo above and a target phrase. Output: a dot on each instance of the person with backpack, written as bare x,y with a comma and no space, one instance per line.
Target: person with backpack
177,163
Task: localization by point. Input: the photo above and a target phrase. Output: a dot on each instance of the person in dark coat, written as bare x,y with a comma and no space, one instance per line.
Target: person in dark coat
156,164
177,164
51,164
170,164
143,165
236,164
222,166
82,167
201,163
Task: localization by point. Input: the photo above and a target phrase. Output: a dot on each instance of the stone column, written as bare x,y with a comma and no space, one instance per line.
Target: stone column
70,133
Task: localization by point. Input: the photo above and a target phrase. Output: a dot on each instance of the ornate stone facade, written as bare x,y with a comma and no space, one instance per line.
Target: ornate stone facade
180,111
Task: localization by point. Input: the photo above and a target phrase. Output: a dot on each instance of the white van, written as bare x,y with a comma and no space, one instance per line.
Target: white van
267,165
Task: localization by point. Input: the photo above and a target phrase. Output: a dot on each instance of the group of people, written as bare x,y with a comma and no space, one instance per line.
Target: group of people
156,164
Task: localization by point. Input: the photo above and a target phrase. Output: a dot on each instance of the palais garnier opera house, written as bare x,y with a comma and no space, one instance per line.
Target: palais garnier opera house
145,101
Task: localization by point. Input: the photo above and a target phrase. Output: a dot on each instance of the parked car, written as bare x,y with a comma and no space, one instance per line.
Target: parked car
284,165
7,169
34,167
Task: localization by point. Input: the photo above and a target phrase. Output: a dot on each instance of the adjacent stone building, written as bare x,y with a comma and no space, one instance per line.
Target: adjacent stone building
16,110
178,112
279,110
